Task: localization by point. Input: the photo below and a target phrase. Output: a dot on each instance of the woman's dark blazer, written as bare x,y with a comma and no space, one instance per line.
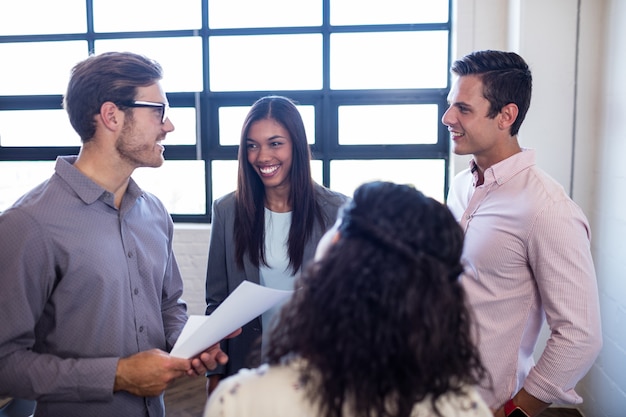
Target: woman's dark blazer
223,274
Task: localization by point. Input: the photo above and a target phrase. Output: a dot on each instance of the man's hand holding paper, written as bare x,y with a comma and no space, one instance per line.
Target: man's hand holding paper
202,334
210,358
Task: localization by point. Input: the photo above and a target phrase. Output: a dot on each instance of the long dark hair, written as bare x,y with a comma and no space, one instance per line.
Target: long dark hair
250,194
381,318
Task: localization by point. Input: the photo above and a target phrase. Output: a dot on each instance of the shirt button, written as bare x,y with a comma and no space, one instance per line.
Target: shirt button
140,329
130,254
136,291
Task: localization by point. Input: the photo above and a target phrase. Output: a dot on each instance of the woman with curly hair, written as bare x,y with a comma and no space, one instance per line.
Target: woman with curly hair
378,325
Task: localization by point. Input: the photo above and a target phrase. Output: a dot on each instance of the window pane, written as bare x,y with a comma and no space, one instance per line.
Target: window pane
308,118
316,171
427,175
374,12
241,63
184,120
267,13
224,175
26,76
18,177
36,128
181,58
146,15
34,17
389,124
17,128
179,185
231,120
389,60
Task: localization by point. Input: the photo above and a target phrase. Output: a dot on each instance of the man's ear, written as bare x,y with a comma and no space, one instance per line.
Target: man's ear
508,116
110,115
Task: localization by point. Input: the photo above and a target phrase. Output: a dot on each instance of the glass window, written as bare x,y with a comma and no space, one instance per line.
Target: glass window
178,184
389,60
231,121
35,17
225,176
146,15
399,124
267,13
38,67
18,177
184,120
316,171
36,128
427,175
181,58
53,128
370,78
266,62
375,12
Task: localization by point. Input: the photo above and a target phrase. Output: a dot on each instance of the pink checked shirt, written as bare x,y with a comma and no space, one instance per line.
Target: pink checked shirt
527,256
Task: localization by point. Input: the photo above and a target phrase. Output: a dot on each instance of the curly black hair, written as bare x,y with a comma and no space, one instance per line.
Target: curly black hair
381,318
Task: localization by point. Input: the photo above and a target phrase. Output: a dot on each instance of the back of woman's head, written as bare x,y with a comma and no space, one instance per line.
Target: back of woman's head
382,315
396,220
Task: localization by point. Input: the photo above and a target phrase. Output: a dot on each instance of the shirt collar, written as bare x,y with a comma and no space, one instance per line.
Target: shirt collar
85,188
505,169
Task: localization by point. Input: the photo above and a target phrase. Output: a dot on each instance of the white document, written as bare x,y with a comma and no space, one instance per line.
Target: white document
248,301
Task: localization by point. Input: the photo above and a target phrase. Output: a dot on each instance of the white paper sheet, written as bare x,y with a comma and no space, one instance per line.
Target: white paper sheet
248,301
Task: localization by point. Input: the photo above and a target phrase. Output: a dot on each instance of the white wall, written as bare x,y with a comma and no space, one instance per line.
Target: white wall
544,33
191,247
605,385
577,52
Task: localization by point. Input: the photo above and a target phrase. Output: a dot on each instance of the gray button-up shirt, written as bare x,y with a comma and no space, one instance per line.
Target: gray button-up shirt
81,285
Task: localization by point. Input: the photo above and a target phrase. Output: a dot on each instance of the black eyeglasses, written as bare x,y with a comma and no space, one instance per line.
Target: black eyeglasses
138,103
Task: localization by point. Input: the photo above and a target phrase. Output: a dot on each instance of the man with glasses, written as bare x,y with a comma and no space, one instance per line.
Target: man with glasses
90,299
164,108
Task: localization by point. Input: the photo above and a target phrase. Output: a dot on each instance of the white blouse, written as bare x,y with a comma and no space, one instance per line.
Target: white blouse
277,391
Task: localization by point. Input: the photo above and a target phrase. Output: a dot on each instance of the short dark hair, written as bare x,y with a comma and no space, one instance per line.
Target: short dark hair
110,76
506,79
381,318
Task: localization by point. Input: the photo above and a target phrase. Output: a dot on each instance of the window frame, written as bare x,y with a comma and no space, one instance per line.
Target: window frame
207,103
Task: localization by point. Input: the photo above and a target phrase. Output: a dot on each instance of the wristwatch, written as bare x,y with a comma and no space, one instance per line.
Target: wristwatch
512,410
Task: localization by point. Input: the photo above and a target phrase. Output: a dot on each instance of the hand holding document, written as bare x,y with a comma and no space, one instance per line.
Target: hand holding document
248,301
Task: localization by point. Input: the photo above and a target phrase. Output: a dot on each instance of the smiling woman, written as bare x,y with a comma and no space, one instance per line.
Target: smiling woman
267,229
269,149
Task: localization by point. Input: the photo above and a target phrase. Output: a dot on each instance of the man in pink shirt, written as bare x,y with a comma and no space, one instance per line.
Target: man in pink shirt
527,244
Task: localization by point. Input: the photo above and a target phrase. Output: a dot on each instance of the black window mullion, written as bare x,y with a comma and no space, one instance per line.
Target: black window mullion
207,103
